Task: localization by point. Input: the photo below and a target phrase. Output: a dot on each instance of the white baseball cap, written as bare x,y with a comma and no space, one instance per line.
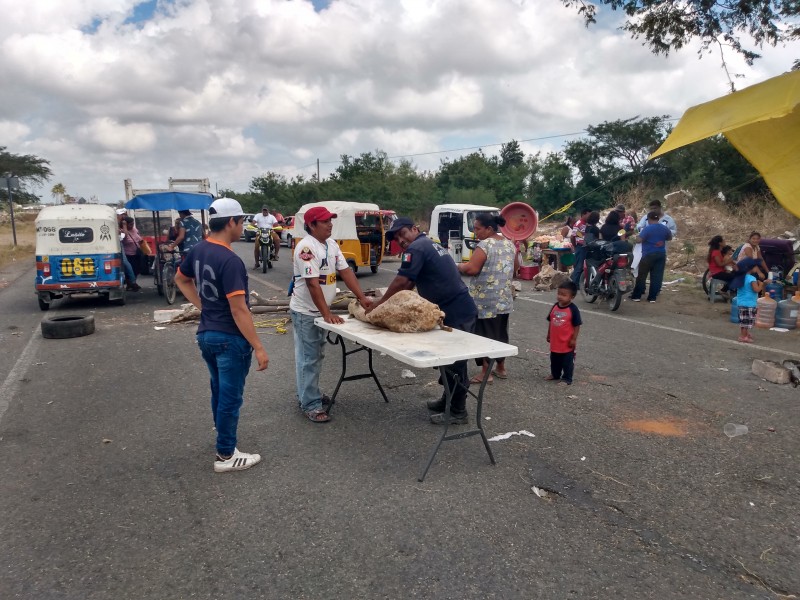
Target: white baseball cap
121,211
225,208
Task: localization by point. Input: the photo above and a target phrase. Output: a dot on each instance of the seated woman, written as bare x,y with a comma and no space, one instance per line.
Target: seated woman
751,249
719,261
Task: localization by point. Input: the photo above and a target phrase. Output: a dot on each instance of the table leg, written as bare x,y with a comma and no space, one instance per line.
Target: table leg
456,436
339,340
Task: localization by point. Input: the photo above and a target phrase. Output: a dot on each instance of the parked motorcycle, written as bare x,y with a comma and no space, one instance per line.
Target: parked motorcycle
266,248
607,272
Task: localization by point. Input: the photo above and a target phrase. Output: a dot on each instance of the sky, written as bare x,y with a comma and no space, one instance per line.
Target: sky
231,89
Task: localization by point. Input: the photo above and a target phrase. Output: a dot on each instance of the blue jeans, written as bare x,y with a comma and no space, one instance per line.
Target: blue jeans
309,351
651,264
130,276
577,271
228,358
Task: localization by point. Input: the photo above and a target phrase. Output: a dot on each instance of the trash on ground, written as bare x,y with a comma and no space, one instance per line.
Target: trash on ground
505,436
722,369
539,492
407,374
673,282
583,458
157,328
106,441
781,329
733,429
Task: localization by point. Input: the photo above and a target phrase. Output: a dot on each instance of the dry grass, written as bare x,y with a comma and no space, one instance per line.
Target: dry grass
26,240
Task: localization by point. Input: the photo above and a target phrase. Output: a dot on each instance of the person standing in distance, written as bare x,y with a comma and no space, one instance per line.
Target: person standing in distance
214,279
317,260
432,270
654,240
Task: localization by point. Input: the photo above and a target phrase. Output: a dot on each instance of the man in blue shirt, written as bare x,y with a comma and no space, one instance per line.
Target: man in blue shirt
430,268
189,232
214,279
654,238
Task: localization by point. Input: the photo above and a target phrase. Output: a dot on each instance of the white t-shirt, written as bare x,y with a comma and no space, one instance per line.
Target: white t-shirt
315,259
261,221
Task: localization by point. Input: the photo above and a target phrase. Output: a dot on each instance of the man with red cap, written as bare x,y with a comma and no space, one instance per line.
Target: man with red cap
317,261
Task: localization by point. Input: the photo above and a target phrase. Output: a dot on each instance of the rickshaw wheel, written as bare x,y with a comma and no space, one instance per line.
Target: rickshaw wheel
352,264
43,305
170,289
374,269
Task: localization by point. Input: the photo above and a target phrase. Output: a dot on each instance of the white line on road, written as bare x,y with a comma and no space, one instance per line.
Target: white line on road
676,330
11,385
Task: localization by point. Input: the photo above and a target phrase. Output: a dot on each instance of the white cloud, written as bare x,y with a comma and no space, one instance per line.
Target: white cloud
228,89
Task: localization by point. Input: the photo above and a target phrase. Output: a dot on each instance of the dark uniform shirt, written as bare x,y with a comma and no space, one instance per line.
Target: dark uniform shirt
433,271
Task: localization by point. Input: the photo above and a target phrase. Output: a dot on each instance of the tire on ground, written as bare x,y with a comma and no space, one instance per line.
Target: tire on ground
67,326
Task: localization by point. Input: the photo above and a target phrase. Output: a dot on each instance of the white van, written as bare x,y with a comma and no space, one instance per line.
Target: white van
451,225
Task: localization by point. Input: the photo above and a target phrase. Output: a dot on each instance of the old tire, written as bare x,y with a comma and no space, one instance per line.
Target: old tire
67,326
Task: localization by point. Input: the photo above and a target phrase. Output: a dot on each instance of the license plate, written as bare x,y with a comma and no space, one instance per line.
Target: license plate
77,267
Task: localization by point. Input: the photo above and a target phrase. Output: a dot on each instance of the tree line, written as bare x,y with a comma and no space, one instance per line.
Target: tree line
591,171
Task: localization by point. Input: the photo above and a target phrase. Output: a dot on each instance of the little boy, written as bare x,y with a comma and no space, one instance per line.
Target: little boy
562,334
747,300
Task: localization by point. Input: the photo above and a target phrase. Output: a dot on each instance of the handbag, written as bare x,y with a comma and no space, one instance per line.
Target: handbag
145,247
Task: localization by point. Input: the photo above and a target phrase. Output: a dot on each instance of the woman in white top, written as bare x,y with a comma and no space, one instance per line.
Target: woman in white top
751,249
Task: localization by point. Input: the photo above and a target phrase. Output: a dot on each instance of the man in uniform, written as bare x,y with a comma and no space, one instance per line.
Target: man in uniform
214,279
432,270
317,260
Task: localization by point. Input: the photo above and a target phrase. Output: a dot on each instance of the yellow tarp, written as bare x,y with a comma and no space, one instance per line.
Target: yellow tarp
763,123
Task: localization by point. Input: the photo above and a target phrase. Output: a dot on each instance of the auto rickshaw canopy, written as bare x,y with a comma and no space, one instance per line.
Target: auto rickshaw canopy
171,200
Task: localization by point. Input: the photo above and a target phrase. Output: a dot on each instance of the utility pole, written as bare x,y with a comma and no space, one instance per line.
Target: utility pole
317,170
12,182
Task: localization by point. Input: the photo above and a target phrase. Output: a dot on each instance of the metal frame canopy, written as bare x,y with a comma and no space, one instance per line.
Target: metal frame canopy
171,201
763,124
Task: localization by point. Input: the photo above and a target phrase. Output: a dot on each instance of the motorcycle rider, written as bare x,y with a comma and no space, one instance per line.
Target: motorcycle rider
265,221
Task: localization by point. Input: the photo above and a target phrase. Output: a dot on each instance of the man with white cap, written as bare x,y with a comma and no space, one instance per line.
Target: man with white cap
317,261
214,279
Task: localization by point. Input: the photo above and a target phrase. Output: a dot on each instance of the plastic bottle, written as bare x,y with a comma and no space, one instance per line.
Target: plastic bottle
786,314
765,314
734,310
774,289
796,298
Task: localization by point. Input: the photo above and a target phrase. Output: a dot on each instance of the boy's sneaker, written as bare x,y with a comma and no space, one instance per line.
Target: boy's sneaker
238,462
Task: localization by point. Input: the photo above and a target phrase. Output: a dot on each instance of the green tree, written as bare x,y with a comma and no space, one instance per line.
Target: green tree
550,185
30,169
668,25
58,193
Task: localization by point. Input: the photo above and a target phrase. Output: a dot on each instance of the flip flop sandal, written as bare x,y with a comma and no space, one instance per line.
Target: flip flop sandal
318,416
478,379
499,375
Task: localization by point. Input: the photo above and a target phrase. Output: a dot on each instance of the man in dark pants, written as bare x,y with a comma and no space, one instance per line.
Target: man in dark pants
431,269
214,279
654,238
579,241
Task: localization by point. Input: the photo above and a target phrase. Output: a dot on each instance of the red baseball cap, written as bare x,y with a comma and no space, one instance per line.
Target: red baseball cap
318,213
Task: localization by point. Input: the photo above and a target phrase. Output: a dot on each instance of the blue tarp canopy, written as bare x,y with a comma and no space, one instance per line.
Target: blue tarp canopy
171,200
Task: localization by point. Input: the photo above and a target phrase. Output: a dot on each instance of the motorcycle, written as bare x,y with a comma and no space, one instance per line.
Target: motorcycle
607,272
266,248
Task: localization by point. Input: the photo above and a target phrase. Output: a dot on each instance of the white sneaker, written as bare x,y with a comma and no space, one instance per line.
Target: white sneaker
238,462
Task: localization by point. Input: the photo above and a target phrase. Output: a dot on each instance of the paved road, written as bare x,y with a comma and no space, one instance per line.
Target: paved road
108,492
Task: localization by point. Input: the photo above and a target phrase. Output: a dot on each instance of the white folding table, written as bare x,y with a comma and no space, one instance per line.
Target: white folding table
437,348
